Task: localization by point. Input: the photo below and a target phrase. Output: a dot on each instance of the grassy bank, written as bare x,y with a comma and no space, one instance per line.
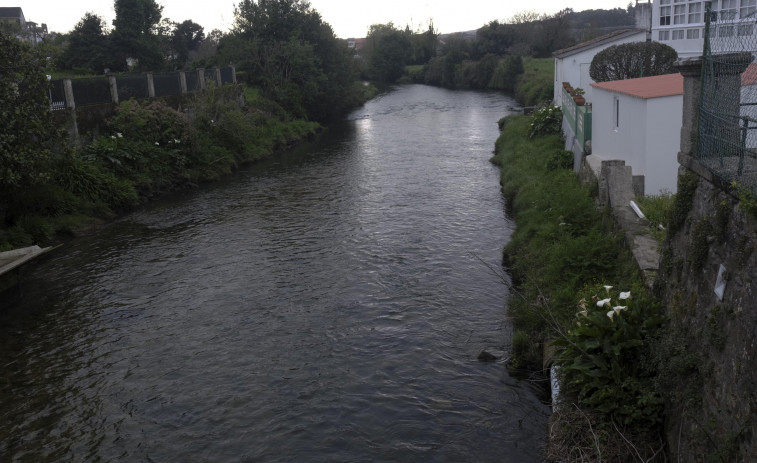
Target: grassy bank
148,148
536,85
577,289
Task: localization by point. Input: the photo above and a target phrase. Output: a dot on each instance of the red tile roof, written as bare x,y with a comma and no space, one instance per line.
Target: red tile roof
749,76
646,87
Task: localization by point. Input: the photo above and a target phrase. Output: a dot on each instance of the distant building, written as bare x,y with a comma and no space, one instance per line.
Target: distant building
24,30
13,15
639,121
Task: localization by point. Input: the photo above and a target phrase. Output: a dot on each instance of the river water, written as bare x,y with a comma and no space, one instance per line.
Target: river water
327,305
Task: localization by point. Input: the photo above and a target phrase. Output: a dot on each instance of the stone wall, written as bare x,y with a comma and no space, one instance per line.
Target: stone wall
709,351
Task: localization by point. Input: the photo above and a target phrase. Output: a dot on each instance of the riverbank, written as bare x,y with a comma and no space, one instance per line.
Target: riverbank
146,150
569,266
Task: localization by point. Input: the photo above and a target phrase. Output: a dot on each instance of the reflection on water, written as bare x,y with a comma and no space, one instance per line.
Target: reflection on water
326,305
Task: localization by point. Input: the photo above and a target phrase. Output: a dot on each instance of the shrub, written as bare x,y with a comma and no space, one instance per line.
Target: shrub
546,120
632,60
601,357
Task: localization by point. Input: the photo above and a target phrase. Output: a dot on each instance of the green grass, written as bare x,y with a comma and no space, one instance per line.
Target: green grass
536,84
657,210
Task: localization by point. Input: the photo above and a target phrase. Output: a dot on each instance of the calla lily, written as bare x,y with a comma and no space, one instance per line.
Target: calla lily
608,288
619,308
603,302
119,135
583,312
157,144
610,314
625,295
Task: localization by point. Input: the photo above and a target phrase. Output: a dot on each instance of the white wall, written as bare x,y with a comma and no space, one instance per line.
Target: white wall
575,68
647,138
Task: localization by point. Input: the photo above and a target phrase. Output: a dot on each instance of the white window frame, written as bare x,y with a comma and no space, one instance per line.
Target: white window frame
679,14
616,112
663,35
678,34
666,13
747,7
695,12
692,34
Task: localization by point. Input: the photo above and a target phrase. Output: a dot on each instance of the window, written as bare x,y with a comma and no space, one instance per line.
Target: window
664,2
679,14
695,13
678,34
692,34
725,31
728,9
616,112
665,16
663,35
745,30
747,7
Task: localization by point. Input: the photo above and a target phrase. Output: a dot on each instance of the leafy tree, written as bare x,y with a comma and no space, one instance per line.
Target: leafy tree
291,54
495,38
28,134
630,60
424,45
387,50
186,37
135,34
87,45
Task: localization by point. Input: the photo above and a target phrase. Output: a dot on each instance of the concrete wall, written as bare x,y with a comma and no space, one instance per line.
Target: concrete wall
663,138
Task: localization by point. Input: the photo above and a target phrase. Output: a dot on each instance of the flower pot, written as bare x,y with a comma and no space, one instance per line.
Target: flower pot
580,101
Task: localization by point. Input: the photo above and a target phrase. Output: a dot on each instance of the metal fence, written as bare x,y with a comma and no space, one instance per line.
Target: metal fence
114,88
728,106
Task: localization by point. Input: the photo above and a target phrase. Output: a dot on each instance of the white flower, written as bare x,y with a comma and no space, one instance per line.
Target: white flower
610,314
619,308
119,135
176,140
583,312
603,302
113,137
625,295
157,144
608,288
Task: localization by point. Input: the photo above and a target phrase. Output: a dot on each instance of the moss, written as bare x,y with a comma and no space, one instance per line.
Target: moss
699,246
713,328
722,216
687,186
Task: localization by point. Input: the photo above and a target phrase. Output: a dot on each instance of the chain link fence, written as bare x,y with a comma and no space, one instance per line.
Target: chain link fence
728,106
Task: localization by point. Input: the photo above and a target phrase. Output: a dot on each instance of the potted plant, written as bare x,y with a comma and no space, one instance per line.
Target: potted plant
578,96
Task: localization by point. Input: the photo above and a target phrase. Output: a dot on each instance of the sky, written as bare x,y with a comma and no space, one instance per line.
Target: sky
348,18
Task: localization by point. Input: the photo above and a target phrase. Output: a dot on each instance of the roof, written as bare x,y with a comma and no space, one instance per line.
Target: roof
646,87
749,76
598,41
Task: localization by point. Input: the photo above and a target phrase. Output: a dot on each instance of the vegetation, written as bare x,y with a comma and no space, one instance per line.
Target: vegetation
561,255
631,60
656,209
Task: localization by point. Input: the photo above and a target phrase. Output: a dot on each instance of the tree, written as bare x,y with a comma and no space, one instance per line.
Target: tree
28,133
87,45
631,60
187,37
134,35
291,54
387,50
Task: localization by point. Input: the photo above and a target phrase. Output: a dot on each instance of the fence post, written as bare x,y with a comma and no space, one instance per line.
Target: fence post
113,88
68,90
218,77
201,78
233,74
150,86
183,82
691,70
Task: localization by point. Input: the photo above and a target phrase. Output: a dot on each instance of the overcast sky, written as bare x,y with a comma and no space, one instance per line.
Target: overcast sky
347,18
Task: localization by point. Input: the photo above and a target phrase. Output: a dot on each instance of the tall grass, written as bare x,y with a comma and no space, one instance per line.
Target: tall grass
536,84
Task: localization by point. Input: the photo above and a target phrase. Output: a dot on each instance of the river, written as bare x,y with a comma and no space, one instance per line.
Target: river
326,305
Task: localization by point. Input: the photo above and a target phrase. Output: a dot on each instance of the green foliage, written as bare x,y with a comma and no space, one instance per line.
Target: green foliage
387,50
632,60
134,34
699,246
657,209
601,358
536,85
546,121
747,198
506,73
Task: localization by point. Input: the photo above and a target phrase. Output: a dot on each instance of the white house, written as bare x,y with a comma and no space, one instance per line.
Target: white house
639,121
572,64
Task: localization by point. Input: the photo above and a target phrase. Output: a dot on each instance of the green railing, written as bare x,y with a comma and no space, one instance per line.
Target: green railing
578,117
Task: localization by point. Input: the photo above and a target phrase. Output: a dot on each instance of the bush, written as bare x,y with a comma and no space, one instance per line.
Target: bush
632,60
545,121
601,357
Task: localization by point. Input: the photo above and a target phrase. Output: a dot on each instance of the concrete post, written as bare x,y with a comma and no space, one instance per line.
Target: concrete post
691,70
150,85
201,78
218,76
183,82
233,74
68,90
113,88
